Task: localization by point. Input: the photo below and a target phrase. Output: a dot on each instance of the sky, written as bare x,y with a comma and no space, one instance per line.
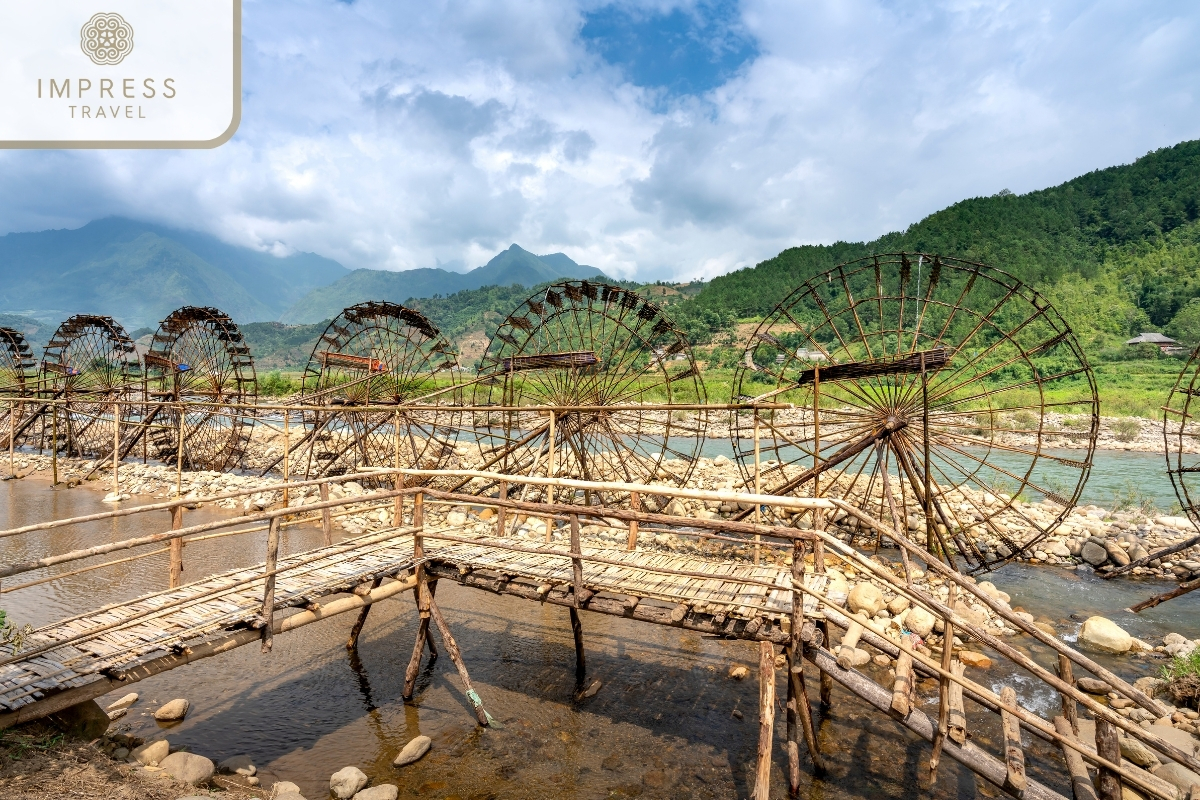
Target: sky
654,140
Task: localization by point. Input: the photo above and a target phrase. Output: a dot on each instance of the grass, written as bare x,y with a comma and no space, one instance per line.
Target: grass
1182,674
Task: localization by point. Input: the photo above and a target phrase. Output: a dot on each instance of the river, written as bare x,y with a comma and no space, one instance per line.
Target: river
665,724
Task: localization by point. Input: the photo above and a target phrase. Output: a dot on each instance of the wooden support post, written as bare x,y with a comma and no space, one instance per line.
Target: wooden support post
176,548
1070,710
326,515
580,662
424,640
116,449
287,447
958,714
550,474
456,656
576,563
1081,782
1014,757
502,495
766,720
635,505
268,606
757,487
352,642
424,595
398,481
179,452
819,566
943,728
902,689
12,426
1108,783
800,710
54,446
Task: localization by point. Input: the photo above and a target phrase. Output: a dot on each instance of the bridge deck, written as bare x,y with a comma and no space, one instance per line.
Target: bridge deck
119,638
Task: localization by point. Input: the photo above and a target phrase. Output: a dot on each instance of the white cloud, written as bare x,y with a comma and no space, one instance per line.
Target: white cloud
397,135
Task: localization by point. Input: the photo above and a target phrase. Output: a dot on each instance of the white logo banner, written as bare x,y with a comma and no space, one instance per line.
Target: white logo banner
119,73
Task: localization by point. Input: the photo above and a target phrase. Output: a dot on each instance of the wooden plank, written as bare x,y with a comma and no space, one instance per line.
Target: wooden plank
1014,756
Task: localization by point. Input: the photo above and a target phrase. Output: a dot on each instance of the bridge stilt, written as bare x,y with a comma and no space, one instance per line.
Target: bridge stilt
423,639
766,721
580,663
456,656
352,642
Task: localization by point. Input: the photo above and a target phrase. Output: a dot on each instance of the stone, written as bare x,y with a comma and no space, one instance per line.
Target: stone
1151,686
1181,739
413,751
284,787
86,720
838,588
125,702
384,791
288,796
739,672
239,765
1132,750
898,606
721,461
188,768
1093,553
1058,549
1105,635
1116,553
859,657
173,711
120,754
346,782
919,621
865,598
973,659
1178,775
1092,686
151,753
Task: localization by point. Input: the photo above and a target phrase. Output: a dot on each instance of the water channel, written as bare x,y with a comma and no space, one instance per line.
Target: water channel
667,723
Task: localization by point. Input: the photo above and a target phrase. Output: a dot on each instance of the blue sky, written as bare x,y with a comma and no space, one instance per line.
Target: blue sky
658,140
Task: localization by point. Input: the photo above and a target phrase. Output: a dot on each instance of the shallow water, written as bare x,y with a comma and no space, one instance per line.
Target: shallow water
663,725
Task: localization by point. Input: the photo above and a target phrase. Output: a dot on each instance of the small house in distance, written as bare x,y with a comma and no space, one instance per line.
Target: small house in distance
1166,344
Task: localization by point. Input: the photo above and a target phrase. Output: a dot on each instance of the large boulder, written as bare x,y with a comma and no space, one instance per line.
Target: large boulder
1133,750
919,621
86,720
865,598
188,768
346,782
1179,775
1103,634
1116,553
413,751
1093,554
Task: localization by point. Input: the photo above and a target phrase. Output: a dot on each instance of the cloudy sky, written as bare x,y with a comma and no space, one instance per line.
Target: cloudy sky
657,139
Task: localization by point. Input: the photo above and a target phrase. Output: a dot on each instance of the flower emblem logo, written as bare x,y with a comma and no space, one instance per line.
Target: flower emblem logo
106,39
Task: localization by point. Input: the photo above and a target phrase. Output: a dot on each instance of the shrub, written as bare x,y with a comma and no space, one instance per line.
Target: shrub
1126,429
1025,420
1182,675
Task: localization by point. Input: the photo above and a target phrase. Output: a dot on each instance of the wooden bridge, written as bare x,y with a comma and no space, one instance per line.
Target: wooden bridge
794,607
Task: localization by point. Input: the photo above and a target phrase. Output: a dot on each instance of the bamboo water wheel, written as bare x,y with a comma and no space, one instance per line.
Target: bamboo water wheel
199,358
380,354
600,349
18,381
864,343
1181,436
89,363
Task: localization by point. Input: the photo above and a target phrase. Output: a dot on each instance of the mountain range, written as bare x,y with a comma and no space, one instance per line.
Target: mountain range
512,266
139,272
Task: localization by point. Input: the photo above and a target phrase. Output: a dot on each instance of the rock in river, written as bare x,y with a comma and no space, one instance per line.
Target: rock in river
919,621
346,782
188,768
152,752
865,598
384,791
1104,634
241,765
1092,686
1093,554
413,751
172,711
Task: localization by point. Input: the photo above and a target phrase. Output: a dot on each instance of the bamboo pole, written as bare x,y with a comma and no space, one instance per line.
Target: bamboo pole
456,657
1081,782
797,690
12,460
1070,710
943,728
356,629
54,447
179,451
1014,757
398,478
757,488
501,495
116,449
635,505
176,566
287,446
576,562
766,721
268,606
550,474
326,514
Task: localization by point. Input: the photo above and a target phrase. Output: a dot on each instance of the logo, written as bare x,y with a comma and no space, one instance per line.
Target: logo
106,39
